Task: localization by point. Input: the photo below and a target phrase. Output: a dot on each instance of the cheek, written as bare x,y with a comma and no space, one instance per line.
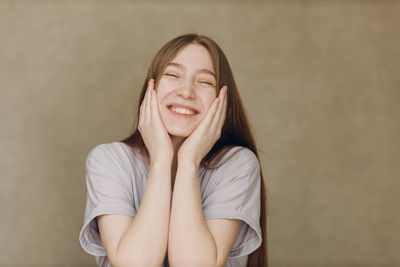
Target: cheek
208,99
162,90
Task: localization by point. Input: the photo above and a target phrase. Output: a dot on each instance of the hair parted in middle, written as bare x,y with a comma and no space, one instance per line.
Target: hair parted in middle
235,130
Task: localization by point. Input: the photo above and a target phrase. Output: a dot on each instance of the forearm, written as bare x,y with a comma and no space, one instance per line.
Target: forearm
190,242
147,236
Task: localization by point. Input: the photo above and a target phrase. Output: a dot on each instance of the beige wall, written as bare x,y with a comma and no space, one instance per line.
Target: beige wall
320,80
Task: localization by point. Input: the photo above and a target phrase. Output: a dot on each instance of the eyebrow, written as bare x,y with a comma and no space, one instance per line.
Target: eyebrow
180,66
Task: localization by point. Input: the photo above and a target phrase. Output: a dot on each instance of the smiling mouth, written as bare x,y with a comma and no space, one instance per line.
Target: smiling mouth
182,111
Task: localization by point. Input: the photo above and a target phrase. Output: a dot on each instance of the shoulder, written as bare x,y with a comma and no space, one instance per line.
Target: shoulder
113,153
240,157
103,152
114,162
237,163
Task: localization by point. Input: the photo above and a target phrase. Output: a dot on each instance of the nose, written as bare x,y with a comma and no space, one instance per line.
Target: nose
186,90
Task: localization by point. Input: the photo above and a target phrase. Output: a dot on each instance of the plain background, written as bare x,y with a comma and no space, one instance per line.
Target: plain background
320,81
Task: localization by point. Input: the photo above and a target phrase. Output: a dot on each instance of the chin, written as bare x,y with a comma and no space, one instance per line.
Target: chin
179,132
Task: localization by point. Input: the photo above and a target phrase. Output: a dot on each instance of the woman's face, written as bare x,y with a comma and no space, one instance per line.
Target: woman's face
186,89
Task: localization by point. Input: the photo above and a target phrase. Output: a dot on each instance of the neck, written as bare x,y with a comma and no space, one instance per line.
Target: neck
177,142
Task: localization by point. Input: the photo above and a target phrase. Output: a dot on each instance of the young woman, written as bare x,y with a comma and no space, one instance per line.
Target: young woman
185,189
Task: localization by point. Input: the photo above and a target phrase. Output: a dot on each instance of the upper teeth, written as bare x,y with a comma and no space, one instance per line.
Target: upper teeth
182,110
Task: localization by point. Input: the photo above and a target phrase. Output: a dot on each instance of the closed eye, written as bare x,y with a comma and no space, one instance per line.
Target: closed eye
171,75
205,82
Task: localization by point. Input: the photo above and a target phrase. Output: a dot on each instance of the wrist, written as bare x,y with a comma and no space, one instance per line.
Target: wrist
164,163
188,164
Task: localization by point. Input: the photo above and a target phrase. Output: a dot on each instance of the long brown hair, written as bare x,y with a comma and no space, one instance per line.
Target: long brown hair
235,131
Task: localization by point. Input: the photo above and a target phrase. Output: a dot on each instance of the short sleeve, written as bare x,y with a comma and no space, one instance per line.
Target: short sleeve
237,196
109,191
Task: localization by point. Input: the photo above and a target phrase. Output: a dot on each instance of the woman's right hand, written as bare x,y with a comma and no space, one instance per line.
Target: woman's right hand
152,129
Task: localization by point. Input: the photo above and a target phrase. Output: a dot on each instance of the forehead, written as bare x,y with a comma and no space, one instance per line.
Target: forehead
194,56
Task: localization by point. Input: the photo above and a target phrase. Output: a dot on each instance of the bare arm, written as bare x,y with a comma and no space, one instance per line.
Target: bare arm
189,235
194,241
141,241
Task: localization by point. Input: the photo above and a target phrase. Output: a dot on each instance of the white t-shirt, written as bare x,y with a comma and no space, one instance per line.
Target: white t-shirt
116,178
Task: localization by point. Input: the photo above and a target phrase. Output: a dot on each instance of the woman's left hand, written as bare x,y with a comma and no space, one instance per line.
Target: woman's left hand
202,139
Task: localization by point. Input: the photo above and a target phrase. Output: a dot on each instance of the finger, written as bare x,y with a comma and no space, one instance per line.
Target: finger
155,113
155,109
210,113
143,108
218,113
148,100
144,105
223,115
